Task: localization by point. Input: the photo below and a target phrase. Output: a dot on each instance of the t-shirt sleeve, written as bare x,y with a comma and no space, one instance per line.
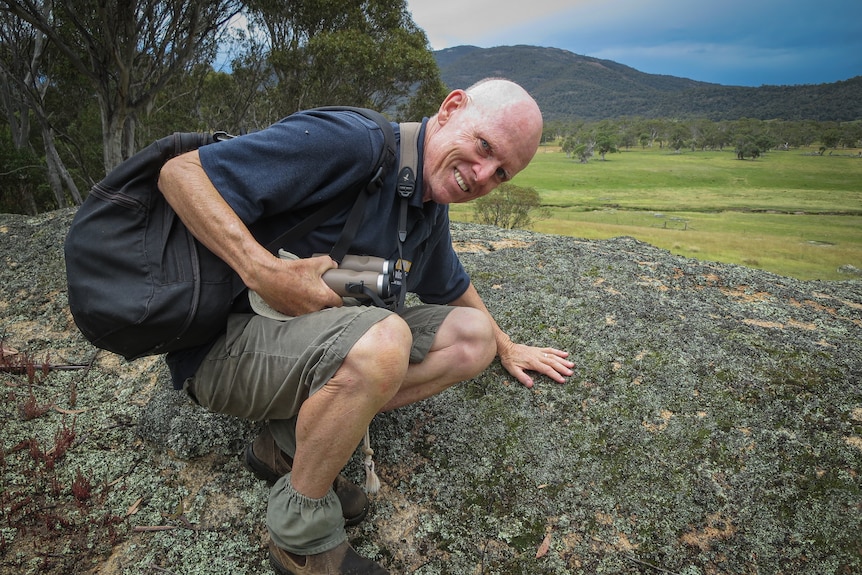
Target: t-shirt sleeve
440,277
303,160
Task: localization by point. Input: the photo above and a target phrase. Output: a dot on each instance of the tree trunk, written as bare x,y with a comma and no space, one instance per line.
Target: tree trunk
56,170
112,138
58,175
28,201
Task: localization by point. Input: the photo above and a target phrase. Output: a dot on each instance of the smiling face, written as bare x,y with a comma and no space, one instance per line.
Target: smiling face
479,139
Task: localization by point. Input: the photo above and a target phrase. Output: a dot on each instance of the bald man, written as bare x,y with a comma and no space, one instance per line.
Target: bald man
320,372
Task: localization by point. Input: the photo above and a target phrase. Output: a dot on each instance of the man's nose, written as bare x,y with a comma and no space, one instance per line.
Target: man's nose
485,170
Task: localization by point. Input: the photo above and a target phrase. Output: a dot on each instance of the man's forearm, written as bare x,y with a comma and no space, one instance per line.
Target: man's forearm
291,287
210,219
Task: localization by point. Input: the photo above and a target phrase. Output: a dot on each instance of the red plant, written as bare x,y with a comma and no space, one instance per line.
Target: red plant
63,439
30,409
81,487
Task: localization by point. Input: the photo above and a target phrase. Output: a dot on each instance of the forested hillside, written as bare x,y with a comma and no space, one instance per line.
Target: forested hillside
568,87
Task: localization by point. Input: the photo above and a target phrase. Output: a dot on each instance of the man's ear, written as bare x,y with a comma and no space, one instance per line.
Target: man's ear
455,100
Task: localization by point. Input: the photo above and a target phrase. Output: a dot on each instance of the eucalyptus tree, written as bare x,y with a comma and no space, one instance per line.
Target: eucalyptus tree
344,52
24,62
127,50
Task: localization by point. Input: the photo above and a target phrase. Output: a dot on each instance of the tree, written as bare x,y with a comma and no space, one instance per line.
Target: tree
19,180
568,145
24,66
644,139
654,130
852,133
747,147
127,50
349,53
830,138
678,136
605,144
572,146
426,100
508,206
714,136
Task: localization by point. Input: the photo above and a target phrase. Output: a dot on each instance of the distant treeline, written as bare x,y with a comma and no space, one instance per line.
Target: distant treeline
747,137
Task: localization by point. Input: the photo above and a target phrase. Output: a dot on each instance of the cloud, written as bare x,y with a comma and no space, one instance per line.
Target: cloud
732,41
454,22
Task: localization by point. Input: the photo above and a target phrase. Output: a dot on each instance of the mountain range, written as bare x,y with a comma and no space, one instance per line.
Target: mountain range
570,87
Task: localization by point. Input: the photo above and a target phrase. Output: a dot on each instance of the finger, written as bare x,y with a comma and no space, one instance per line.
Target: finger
558,353
324,263
556,368
558,357
554,374
518,373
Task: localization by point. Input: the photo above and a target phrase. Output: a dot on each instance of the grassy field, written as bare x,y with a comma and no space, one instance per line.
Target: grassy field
793,212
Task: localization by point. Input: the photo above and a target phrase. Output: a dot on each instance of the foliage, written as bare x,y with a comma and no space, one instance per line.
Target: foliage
148,43
367,54
509,206
606,144
747,148
106,95
580,139
302,54
20,171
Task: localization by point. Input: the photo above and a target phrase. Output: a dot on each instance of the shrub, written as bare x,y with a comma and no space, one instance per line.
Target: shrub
508,206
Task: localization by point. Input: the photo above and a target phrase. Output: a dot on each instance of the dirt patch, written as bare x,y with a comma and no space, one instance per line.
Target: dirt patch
476,246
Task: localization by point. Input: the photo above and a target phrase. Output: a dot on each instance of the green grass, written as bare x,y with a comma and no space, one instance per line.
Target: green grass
791,213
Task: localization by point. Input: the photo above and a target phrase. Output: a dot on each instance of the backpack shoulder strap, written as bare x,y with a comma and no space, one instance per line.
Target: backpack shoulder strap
387,153
407,167
409,145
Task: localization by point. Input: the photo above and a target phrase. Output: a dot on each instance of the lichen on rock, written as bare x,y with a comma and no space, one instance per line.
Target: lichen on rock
712,426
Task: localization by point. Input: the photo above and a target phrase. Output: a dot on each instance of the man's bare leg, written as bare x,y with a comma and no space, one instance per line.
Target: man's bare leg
375,377
463,347
332,422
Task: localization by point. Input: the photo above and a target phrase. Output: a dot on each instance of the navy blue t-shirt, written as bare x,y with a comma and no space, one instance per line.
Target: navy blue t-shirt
275,178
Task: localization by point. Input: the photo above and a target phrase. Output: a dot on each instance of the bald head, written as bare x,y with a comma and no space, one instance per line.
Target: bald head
499,90
478,139
501,96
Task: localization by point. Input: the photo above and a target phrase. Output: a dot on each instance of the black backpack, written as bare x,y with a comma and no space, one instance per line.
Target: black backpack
139,283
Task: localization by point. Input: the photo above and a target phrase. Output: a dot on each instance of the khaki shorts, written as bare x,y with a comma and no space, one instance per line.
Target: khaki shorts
264,369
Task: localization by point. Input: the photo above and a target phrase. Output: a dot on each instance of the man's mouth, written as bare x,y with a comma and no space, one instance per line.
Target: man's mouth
461,182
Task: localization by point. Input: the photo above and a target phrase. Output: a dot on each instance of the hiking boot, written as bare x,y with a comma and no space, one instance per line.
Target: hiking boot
268,463
342,560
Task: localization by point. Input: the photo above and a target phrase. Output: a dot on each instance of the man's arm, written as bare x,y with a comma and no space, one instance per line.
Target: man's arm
291,287
518,358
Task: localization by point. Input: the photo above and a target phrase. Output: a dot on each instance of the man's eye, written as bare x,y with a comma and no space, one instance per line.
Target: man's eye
486,147
502,175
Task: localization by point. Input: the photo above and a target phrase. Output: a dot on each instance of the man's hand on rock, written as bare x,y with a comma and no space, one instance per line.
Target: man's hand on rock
518,359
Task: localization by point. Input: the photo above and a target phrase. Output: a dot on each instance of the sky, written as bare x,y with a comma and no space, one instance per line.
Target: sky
730,42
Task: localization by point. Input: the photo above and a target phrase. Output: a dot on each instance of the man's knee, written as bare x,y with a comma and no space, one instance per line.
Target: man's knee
381,356
473,336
